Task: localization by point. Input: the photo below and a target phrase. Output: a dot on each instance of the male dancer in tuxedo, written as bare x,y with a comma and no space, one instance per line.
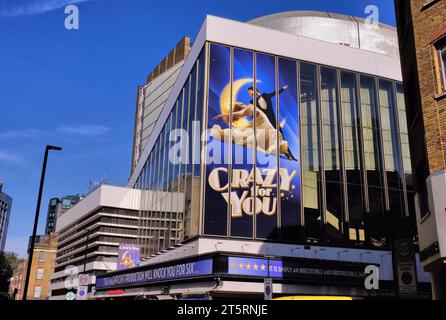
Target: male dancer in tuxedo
264,101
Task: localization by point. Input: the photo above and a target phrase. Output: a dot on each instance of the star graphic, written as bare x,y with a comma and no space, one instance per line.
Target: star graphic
293,187
233,265
282,194
256,267
263,267
248,266
240,265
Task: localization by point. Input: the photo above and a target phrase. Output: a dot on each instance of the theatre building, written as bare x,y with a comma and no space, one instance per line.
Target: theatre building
285,139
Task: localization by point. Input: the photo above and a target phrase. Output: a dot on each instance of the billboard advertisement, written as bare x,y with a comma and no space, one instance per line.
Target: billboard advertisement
252,179
128,256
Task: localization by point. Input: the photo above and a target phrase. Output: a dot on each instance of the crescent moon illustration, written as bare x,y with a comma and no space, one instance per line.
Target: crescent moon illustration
225,100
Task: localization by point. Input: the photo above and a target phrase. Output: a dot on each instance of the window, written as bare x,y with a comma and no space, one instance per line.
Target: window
66,203
39,274
37,291
42,254
442,57
310,140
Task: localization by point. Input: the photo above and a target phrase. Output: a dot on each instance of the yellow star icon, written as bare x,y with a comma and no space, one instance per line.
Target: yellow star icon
256,267
248,266
233,265
240,265
263,267
293,187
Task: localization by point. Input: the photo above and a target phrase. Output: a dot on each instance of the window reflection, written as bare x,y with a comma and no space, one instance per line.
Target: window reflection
310,142
331,150
374,231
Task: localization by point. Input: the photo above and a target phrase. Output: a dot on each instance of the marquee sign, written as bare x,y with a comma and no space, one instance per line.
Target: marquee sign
291,269
178,271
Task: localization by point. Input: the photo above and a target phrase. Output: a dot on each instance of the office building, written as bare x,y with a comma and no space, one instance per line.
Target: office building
422,39
91,232
303,174
5,212
56,208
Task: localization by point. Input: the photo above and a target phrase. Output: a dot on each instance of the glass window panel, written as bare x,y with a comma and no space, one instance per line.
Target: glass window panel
166,185
192,110
443,65
289,160
187,182
332,156
179,122
242,155
199,113
219,101
375,217
352,150
390,140
266,130
310,140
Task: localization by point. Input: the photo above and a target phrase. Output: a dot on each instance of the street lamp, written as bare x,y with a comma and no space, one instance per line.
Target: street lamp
36,219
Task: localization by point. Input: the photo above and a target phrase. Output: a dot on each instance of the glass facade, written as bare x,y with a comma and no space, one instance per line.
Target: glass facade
170,178
292,151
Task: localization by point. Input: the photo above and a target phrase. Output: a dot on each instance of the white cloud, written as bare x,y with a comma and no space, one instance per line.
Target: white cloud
84,130
27,133
14,8
9,157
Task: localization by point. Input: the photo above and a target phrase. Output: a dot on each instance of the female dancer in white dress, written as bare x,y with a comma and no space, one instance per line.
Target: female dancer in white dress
265,133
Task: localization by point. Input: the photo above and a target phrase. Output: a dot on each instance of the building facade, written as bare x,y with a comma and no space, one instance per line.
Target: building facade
5,212
43,262
90,234
152,96
422,39
56,208
18,281
287,137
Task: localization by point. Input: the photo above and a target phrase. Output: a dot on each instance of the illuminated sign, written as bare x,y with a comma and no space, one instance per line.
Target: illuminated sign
178,271
289,269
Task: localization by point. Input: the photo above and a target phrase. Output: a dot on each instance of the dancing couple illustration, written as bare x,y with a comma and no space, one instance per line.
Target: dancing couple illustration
266,134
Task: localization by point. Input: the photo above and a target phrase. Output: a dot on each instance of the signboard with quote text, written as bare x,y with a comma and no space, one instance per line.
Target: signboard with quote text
155,274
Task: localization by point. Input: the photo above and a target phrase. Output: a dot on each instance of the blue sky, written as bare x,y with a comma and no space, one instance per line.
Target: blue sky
77,89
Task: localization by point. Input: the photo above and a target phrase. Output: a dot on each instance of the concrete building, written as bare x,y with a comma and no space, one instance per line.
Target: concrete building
422,39
56,208
304,174
91,232
152,96
5,212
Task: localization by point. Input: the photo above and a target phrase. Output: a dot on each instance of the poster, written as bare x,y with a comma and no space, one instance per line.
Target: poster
249,136
128,256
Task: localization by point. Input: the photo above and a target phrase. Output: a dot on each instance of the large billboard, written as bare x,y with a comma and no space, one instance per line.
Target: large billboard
253,180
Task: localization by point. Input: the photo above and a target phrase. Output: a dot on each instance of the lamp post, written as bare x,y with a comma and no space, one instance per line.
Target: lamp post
36,219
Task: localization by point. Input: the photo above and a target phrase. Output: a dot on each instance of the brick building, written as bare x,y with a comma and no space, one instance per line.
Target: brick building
44,259
422,38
